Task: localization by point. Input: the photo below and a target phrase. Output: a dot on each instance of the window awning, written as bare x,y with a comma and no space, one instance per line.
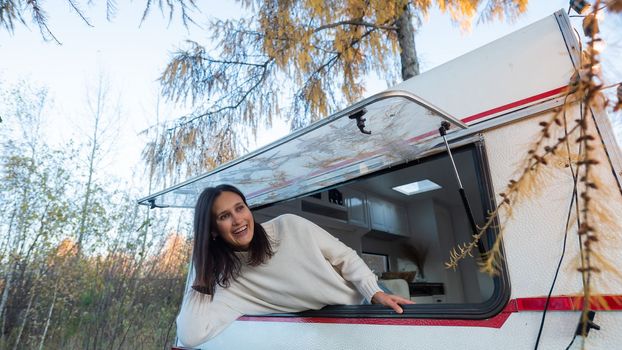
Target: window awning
325,153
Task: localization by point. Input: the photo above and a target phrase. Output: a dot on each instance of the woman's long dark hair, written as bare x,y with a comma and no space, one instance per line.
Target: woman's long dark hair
215,262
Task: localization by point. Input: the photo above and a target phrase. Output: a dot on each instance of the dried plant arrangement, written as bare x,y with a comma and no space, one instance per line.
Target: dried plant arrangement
570,143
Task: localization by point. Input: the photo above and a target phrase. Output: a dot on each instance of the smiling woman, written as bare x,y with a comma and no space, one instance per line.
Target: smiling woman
287,264
234,221
224,225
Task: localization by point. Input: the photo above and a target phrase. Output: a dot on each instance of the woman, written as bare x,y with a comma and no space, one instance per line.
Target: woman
287,264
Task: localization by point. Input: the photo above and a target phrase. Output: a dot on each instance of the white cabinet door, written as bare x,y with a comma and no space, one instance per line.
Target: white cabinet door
390,217
387,216
357,208
377,209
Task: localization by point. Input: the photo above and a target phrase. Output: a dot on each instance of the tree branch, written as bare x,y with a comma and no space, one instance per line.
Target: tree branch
239,63
353,22
236,104
79,12
333,59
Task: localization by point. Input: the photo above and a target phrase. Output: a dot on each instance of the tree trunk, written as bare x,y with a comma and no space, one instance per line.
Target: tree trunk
7,284
47,322
98,108
24,321
406,40
5,298
89,182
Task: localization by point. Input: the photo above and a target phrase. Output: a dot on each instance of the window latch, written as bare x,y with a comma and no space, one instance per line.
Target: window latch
360,121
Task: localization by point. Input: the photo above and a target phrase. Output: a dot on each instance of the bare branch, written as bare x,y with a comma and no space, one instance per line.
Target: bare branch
245,95
77,9
185,6
353,22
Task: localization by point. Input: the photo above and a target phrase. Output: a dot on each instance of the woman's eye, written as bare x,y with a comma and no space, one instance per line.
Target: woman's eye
224,216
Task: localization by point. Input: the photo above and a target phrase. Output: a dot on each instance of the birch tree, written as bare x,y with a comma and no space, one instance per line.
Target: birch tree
39,215
25,106
103,112
115,293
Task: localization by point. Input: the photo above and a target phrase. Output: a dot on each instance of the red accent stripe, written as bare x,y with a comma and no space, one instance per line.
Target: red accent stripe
571,303
557,303
493,322
515,104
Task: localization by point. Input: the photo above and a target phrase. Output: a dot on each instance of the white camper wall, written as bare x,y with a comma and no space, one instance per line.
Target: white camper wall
525,63
534,235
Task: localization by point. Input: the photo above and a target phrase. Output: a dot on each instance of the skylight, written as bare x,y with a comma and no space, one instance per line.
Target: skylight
417,187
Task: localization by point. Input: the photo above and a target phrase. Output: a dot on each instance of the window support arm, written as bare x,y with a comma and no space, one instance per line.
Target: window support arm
465,201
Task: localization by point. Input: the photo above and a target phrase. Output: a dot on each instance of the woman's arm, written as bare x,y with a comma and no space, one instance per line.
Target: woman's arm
352,267
201,319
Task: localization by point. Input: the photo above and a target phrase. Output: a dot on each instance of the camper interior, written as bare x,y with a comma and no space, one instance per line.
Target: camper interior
405,235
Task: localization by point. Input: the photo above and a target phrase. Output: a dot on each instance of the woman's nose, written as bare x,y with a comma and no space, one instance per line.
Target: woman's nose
236,218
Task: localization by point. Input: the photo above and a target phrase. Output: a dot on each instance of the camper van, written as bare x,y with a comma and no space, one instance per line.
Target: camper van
405,176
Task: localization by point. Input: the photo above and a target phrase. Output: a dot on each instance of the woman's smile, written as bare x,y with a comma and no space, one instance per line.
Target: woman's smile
240,232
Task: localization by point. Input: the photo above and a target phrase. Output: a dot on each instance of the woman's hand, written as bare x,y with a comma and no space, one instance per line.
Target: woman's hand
390,300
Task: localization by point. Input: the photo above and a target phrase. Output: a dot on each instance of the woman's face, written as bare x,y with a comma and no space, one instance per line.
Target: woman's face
234,221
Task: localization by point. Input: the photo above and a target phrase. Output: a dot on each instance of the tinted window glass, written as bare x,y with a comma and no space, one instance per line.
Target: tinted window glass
405,234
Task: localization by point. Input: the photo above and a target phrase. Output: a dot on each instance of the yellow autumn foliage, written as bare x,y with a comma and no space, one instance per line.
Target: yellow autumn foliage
313,55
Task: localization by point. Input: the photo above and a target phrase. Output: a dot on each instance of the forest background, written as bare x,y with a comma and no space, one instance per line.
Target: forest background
81,265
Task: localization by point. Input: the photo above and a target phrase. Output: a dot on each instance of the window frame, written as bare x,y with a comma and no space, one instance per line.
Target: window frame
471,311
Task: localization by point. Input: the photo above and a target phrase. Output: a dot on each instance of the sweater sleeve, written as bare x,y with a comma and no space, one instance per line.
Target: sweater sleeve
345,259
201,319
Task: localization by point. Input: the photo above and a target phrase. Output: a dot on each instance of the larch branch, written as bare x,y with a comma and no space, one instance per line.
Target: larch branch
235,105
353,22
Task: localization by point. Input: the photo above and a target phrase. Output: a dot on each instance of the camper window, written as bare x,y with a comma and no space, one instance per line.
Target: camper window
403,222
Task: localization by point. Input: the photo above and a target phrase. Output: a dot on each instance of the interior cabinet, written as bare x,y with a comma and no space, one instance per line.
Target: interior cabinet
362,210
387,217
377,213
329,204
356,202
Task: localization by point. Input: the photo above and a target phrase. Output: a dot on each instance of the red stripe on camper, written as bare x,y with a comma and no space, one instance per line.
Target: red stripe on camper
515,104
557,303
493,322
570,303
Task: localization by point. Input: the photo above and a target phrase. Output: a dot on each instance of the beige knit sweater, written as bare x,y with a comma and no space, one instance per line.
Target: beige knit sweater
309,270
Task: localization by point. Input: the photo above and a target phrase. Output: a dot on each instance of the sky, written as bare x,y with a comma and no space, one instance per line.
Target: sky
131,55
